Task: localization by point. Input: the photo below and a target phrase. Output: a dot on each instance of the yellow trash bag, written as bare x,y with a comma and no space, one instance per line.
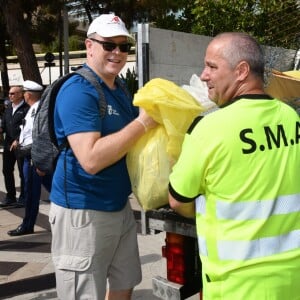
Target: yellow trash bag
150,160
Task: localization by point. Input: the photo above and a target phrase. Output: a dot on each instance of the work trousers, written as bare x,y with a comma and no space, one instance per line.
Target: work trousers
32,191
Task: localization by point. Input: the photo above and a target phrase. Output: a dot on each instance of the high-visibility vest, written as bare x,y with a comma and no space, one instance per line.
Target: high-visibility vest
245,160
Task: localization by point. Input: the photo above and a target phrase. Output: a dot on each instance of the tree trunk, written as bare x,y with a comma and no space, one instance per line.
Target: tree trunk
3,64
19,34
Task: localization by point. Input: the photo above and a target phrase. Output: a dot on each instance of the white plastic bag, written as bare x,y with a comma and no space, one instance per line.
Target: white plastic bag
198,89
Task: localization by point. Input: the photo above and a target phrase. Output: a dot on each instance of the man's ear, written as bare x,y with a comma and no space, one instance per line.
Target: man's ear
242,70
88,44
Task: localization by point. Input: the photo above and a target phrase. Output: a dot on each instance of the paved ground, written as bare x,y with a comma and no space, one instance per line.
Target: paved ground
26,271
25,262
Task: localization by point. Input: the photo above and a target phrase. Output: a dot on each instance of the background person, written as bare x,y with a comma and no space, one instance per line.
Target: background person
94,235
33,182
245,161
11,121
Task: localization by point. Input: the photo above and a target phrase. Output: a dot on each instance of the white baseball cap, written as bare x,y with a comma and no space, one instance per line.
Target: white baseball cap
109,25
32,86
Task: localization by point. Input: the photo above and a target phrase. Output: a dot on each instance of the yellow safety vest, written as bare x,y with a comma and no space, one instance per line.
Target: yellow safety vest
245,160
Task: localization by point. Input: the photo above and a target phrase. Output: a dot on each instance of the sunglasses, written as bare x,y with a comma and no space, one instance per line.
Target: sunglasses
13,93
109,46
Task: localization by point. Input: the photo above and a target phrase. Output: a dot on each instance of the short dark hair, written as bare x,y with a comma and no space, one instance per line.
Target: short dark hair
244,47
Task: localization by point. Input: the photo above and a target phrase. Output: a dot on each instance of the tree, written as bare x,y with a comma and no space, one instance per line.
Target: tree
174,15
18,31
28,22
3,61
272,22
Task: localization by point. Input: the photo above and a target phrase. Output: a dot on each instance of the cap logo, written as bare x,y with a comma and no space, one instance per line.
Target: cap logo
115,20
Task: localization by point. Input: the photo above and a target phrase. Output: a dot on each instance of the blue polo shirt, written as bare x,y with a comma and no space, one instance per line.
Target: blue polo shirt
77,110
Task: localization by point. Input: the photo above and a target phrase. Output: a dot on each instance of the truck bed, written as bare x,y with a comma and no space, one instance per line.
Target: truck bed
162,219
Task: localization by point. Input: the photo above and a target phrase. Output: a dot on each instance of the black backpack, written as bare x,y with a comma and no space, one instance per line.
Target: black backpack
45,149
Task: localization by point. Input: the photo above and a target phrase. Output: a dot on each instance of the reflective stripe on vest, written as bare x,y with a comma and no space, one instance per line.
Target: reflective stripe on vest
250,210
253,210
241,250
200,205
202,246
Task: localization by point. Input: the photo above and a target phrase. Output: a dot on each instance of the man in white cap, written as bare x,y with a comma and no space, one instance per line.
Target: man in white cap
94,242
32,181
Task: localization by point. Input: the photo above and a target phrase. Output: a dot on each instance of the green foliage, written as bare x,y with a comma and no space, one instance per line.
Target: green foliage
43,18
131,81
167,14
272,22
181,19
75,43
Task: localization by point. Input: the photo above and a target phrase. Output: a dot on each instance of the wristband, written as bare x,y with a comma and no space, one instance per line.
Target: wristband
143,123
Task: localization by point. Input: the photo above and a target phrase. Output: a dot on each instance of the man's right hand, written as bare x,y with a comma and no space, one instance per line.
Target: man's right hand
14,145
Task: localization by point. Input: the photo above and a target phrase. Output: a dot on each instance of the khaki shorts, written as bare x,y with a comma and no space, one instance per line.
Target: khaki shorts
92,248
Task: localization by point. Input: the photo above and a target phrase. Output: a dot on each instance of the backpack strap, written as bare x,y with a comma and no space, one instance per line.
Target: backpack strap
91,77
53,90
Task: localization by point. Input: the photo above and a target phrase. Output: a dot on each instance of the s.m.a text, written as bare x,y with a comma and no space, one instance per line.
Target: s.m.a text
274,138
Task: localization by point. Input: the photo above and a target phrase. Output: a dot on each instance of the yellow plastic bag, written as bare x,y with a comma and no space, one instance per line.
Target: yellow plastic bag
171,106
151,158
149,168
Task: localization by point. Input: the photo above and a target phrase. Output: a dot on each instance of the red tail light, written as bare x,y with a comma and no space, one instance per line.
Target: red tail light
174,252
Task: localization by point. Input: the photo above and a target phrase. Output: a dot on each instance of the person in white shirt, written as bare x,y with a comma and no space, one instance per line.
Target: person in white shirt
32,180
